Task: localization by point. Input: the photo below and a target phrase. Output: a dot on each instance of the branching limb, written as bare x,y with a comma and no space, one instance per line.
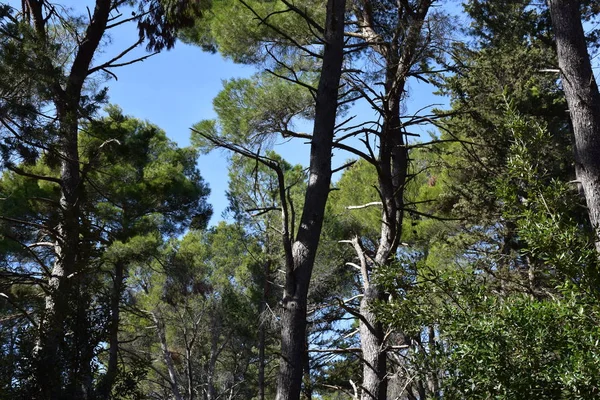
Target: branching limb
309,20
432,216
273,165
112,63
340,168
337,350
20,309
20,171
280,32
256,212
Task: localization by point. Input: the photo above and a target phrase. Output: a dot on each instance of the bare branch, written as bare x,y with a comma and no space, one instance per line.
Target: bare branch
21,172
371,204
111,62
337,351
306,17
279,31
256,212
20,309
340,168
295,80
432,216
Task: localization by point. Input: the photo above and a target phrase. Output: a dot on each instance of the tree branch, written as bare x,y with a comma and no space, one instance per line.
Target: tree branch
371,204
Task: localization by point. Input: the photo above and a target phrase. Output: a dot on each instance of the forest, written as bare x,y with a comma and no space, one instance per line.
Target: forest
449,251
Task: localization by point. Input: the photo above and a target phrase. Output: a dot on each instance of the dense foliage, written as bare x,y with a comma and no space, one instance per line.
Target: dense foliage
459,266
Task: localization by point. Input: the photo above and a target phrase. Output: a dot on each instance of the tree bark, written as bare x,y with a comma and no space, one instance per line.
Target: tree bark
300,265
60,284
307,386
392,170
583,98
392,165
374,382
108,381
162,337
190,373
262,330
215,332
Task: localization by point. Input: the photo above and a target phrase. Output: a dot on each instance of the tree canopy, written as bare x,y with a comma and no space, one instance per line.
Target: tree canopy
457,264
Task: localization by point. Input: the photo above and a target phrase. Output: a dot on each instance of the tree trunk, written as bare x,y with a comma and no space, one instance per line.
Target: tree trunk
300,265
583,98
374,382
162,337
190,372
307,386
215,332
108,381
392,168
261,362
293,327
51,350
262,330
434,381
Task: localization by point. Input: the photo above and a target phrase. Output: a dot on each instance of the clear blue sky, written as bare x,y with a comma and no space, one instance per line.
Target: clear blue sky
175,89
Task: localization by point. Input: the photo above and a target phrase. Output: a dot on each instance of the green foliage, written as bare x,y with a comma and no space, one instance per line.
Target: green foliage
237,30
506,67
138,177
357,187
496,296
524,348
548,212
204,289
252,112
502,304
138,187
508,325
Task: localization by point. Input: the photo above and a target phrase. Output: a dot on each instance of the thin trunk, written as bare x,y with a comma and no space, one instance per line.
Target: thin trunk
261,362
434,382
190,372
299,268
583,98
262,330
107,383
374,383
162,337
307,387
393,164
211,392
50,351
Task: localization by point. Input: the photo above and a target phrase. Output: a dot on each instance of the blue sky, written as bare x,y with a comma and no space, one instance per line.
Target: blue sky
174,90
